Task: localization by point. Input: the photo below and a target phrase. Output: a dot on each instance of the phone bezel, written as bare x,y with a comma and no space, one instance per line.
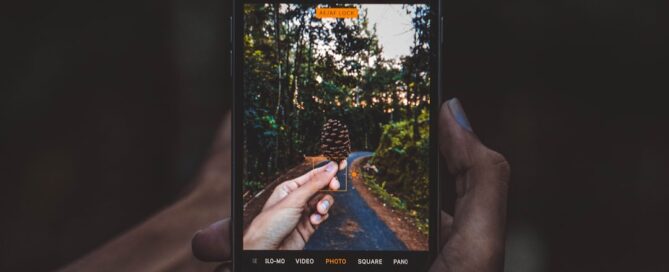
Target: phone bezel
236,65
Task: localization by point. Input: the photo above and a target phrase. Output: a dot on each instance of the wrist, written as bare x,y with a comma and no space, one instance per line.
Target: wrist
253,238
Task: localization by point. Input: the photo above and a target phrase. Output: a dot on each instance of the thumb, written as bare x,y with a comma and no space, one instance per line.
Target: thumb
464,152
320,178
213,242
481,184
457,141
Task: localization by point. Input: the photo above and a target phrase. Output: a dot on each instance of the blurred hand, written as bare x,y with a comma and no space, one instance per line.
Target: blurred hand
471,240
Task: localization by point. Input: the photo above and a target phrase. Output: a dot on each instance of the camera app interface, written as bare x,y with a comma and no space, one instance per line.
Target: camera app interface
336,128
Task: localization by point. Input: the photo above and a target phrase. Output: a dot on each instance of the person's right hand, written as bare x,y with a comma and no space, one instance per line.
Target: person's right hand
473,239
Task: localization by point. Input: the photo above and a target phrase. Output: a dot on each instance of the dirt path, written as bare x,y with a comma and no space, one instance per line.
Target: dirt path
396,221
353,225
358,221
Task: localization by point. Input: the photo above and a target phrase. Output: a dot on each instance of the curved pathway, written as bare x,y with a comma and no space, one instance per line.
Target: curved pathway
353,225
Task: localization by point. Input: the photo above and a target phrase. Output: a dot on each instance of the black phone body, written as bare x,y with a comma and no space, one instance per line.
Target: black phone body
293,72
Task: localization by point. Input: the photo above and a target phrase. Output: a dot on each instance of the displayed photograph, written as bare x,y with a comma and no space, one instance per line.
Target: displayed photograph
350,93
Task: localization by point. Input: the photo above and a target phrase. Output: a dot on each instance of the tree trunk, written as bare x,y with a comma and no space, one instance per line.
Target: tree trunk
297,64
277,29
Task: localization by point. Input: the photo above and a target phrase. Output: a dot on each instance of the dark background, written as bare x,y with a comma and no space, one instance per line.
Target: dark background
107,110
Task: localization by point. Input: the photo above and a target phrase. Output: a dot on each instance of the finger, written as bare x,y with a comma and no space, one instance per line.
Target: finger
445,228
213,242
318,180
481,179
285,188
464,152
456,138
442,260
317,219
223,268
303,179
307,228
312,204
300,237
343,164
324,205
334,184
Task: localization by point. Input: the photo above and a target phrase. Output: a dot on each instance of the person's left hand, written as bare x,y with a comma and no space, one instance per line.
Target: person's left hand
293,212
289,217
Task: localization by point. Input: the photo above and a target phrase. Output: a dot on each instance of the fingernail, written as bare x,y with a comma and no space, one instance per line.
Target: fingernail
332,167
316,217
325,204
459,113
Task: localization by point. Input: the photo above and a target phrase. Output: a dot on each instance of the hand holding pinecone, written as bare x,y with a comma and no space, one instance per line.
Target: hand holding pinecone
335,142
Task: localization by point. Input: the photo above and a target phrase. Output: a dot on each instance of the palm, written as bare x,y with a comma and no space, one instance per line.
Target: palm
296,239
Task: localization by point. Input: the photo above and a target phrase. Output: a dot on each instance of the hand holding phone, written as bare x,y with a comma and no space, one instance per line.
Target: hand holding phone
473,237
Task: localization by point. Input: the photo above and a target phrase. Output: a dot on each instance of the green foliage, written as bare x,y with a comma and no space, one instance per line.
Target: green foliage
253,185
402,180
292,84
380,191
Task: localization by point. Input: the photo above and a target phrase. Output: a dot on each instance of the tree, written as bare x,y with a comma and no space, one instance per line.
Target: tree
300,70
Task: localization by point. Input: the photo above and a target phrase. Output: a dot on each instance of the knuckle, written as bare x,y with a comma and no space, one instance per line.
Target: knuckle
494,162
281,187
501,167
323,175
501,163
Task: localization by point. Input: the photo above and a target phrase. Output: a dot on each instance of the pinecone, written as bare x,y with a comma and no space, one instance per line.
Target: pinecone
335,143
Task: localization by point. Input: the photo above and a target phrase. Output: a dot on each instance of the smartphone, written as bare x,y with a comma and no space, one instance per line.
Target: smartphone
352,82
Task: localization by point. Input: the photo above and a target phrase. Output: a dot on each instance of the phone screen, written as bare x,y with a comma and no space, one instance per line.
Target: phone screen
349,84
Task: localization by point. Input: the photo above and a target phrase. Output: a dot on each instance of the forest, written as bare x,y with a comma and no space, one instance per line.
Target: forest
300,70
